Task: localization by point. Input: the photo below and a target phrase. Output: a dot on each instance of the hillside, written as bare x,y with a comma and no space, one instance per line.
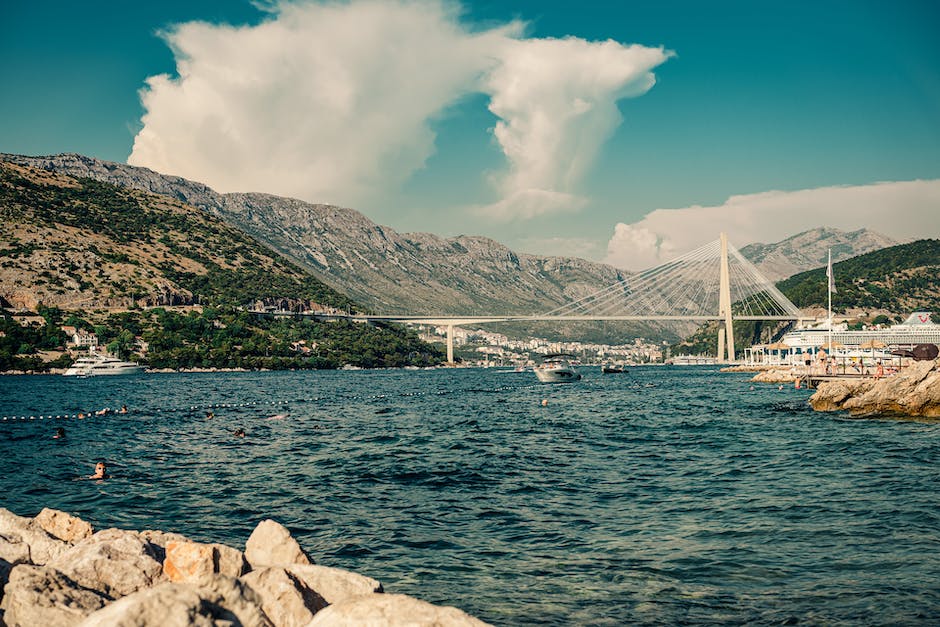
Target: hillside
810,249
899,279
113,261
375,265
78,243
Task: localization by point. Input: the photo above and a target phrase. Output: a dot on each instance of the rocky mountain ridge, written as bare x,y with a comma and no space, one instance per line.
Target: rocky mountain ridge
375,265
809,249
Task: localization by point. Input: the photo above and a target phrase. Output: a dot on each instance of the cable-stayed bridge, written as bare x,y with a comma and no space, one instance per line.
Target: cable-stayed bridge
712,282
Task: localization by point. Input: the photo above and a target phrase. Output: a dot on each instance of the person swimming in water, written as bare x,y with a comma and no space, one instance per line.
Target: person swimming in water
101,472
123,409
59,434
239,433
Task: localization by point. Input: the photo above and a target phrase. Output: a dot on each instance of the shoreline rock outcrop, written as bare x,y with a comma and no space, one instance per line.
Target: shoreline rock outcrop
914,392
56,571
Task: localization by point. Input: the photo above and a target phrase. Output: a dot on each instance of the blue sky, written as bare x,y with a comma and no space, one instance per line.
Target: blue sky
765,119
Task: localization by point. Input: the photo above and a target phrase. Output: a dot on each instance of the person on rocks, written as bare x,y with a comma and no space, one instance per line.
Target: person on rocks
101,472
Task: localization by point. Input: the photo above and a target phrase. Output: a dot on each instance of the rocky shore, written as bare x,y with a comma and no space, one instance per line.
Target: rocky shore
914,392
55,570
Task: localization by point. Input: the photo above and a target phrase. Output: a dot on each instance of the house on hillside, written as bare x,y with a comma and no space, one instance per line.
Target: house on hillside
80,337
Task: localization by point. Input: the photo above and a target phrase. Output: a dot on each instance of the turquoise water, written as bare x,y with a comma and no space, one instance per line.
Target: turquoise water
663,496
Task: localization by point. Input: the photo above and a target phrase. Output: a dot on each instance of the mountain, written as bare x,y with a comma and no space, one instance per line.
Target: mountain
91,256
389,272
81,244
899,279
809,249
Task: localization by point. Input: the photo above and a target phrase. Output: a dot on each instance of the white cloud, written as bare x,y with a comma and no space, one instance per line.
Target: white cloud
333,102
907,209
557,103
326,102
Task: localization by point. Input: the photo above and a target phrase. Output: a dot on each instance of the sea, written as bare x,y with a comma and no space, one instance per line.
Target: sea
661,496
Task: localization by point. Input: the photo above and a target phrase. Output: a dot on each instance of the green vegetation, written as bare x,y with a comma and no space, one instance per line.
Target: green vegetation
900,279
110,241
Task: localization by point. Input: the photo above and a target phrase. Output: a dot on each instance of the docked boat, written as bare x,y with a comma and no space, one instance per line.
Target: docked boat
98,365
556,369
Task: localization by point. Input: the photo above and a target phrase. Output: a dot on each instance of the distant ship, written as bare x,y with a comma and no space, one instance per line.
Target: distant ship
98,365
919,328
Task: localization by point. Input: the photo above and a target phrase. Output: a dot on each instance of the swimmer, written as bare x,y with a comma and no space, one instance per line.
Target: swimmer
239,433
210,415
59,434
123,409
544,402
101,472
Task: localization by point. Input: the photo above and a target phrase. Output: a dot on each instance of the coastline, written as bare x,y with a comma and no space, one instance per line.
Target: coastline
56,570
912,393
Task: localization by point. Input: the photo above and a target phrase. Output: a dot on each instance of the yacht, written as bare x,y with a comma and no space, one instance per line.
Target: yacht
97,365
556,369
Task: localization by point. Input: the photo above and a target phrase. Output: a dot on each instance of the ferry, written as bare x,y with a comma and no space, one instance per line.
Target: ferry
98,365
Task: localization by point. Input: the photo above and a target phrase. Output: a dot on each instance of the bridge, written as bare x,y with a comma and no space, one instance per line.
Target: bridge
711,283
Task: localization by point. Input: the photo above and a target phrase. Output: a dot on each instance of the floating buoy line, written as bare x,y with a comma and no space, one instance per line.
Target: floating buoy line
202,408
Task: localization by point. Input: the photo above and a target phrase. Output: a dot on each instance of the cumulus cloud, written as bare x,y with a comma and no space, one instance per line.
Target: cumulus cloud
557,103
326,102
334,102
906,209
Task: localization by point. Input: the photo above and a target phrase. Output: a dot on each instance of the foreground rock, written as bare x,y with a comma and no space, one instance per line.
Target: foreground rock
915,392
40,595
391,610
55,571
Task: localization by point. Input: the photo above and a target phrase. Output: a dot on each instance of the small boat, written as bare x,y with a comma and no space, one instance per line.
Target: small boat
612,369
556,369
98,365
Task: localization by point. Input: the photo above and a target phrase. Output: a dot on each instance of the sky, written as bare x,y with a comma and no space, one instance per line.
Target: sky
625,132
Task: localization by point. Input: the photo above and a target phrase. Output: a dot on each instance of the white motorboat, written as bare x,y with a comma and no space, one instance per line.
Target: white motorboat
556,369
97,365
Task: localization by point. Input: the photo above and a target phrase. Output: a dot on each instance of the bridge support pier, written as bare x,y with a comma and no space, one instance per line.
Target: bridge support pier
450,344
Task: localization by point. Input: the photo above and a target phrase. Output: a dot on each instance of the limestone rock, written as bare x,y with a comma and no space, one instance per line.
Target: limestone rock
193,562
334,584
775,375
21,537
285,598
220,601
40,595
63,526
113,561
914,392
229,561
392,610
188,562
159,539
271,544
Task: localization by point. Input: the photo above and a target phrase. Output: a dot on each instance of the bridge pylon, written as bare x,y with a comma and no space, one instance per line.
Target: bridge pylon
724,302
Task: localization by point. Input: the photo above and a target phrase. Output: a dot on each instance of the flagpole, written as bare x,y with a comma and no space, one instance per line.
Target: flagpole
829,281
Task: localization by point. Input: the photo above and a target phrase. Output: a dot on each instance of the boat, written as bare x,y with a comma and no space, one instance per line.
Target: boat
98,365
556,369
613,369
